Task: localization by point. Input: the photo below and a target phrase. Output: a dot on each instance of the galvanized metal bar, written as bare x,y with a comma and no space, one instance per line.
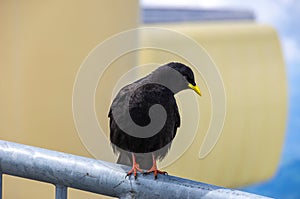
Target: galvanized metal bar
61,192
101,177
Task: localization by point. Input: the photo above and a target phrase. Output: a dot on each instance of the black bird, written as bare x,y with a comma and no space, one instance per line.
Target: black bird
133,110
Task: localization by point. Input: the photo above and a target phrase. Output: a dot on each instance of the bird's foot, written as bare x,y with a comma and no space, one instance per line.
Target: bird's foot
155,171
135,168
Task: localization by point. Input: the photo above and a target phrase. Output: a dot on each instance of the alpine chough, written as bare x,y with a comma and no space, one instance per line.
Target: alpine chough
132,111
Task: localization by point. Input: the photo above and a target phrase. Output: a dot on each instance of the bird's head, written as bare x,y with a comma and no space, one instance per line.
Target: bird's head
175,76
187,76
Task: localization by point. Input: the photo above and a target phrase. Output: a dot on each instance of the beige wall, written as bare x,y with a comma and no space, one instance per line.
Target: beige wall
43,44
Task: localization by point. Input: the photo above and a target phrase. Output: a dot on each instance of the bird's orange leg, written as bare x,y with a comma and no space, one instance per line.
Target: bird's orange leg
154,169
135,167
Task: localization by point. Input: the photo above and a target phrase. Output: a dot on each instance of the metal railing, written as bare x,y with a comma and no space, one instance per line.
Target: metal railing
66,170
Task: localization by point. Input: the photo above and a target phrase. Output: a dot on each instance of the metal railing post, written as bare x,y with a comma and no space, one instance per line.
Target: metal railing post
61,192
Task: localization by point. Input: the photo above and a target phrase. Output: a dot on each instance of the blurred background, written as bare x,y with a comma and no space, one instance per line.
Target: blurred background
283,15
255,45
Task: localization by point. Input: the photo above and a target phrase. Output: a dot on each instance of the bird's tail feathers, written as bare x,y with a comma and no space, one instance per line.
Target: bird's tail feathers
125,158
144,160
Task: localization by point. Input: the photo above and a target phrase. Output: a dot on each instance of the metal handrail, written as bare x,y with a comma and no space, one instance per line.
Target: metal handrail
66,170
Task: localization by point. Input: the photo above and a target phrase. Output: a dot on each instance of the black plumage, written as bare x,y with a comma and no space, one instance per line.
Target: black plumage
158,87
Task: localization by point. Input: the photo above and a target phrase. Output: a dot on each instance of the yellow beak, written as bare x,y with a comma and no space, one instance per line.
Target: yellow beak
195,88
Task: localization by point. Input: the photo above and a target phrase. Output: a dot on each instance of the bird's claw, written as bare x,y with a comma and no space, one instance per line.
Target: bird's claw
135,168
155,172
129,174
